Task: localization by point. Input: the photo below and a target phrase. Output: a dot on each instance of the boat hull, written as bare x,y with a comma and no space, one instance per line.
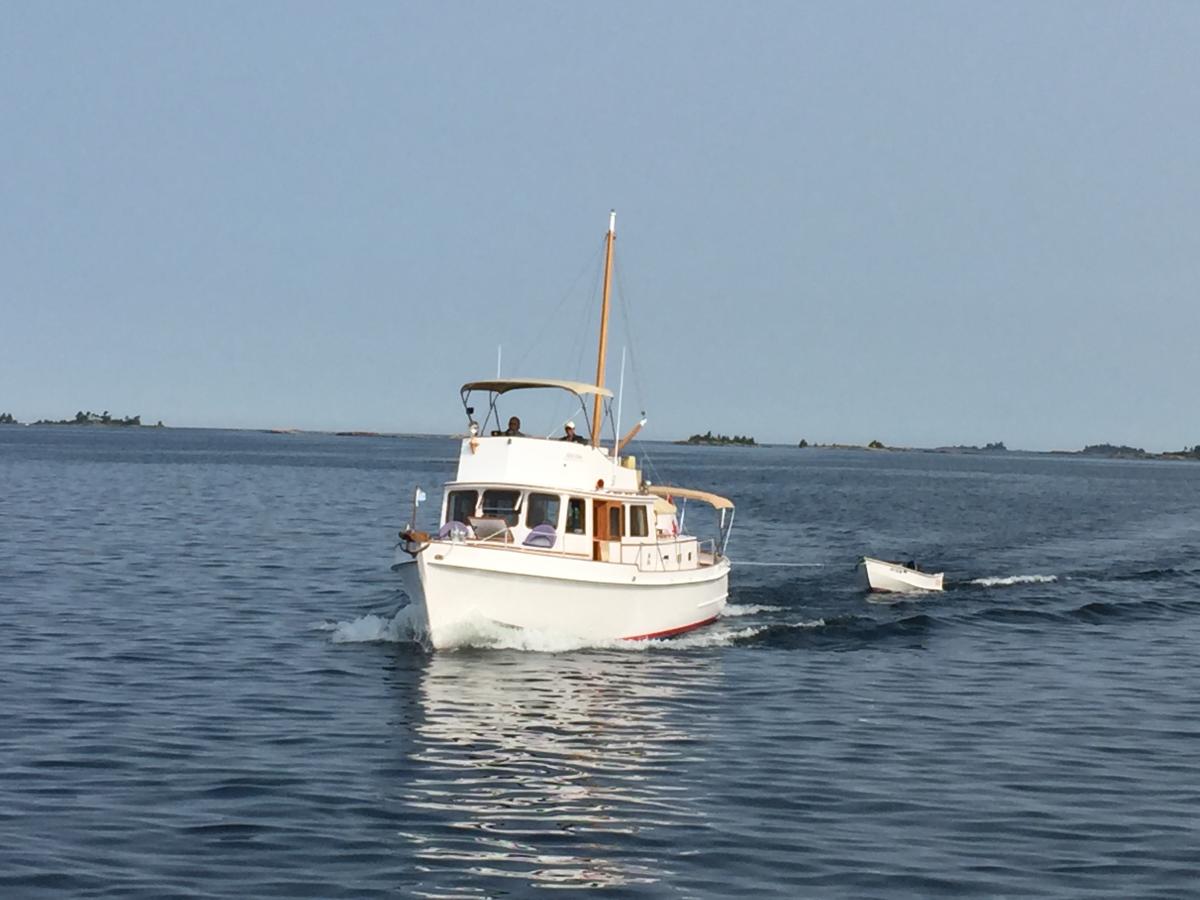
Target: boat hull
457,586
888,577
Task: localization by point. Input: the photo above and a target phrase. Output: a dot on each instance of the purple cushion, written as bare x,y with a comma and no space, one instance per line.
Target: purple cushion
541,536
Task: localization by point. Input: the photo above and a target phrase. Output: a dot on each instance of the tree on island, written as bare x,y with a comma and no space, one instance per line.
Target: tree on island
876,445
1121,451
90,418
716,439
7,419
803,443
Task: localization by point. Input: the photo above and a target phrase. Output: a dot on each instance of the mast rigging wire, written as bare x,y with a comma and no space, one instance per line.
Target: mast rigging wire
562,302
624,304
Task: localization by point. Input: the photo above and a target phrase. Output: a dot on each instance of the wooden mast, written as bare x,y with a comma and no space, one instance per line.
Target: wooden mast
608,258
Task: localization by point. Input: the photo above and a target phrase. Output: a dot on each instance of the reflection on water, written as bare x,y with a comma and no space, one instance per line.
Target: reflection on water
557,770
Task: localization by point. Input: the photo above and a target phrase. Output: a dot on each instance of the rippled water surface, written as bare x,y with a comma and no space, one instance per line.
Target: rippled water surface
209,690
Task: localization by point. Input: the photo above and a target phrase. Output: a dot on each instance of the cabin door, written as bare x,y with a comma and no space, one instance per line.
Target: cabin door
576,539
607,518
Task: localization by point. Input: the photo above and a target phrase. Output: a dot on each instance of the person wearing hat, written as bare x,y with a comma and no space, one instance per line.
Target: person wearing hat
570,435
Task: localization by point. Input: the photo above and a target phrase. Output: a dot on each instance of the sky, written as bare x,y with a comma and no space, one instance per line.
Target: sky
924,223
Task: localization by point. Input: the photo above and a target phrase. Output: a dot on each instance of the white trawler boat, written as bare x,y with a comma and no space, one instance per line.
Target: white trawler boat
561,535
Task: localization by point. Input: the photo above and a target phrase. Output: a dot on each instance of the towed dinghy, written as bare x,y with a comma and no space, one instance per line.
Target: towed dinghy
903,578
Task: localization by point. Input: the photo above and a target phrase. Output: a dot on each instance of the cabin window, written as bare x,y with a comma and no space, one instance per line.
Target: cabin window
501,505
615,514
542,509
637,522
576,516
461,505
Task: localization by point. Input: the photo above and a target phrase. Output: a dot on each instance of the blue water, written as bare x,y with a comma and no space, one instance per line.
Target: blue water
208,692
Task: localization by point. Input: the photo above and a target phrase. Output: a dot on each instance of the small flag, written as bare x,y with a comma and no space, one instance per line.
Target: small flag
418,497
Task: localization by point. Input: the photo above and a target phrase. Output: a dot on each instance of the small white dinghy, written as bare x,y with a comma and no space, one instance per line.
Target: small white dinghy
891,577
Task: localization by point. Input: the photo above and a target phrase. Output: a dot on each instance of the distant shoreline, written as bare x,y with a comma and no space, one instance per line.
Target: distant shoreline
1091,451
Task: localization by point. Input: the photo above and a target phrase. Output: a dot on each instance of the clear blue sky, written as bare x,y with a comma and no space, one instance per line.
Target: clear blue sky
925,223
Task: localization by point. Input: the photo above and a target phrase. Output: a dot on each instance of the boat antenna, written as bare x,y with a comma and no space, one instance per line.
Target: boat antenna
608,259
499,348
617,422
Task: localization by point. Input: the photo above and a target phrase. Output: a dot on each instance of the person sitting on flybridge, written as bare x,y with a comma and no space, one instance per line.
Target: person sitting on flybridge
513,430
570,434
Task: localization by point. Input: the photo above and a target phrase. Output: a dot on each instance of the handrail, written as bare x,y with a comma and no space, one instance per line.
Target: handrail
658,546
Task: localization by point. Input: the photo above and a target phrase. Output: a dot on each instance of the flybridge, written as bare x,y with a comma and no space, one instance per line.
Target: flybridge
537,461
503,385
493,422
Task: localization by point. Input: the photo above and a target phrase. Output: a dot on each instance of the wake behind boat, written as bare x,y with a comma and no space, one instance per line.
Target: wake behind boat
562,535
892,577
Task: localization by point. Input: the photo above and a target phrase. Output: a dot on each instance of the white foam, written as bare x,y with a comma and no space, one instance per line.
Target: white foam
748,609
406,627
485,634
1004,581
481,633
403,627
713,636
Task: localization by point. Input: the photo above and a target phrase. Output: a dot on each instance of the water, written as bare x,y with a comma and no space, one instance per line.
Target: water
209,690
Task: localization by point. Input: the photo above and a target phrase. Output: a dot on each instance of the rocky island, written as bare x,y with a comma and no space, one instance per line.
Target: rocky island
1123,451
91,418
994,447
708,439
874,445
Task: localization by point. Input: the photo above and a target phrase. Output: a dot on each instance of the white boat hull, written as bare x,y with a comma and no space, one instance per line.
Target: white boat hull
890,577
458,585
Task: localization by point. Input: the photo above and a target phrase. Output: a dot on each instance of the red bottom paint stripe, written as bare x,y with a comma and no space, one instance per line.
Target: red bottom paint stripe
671,632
